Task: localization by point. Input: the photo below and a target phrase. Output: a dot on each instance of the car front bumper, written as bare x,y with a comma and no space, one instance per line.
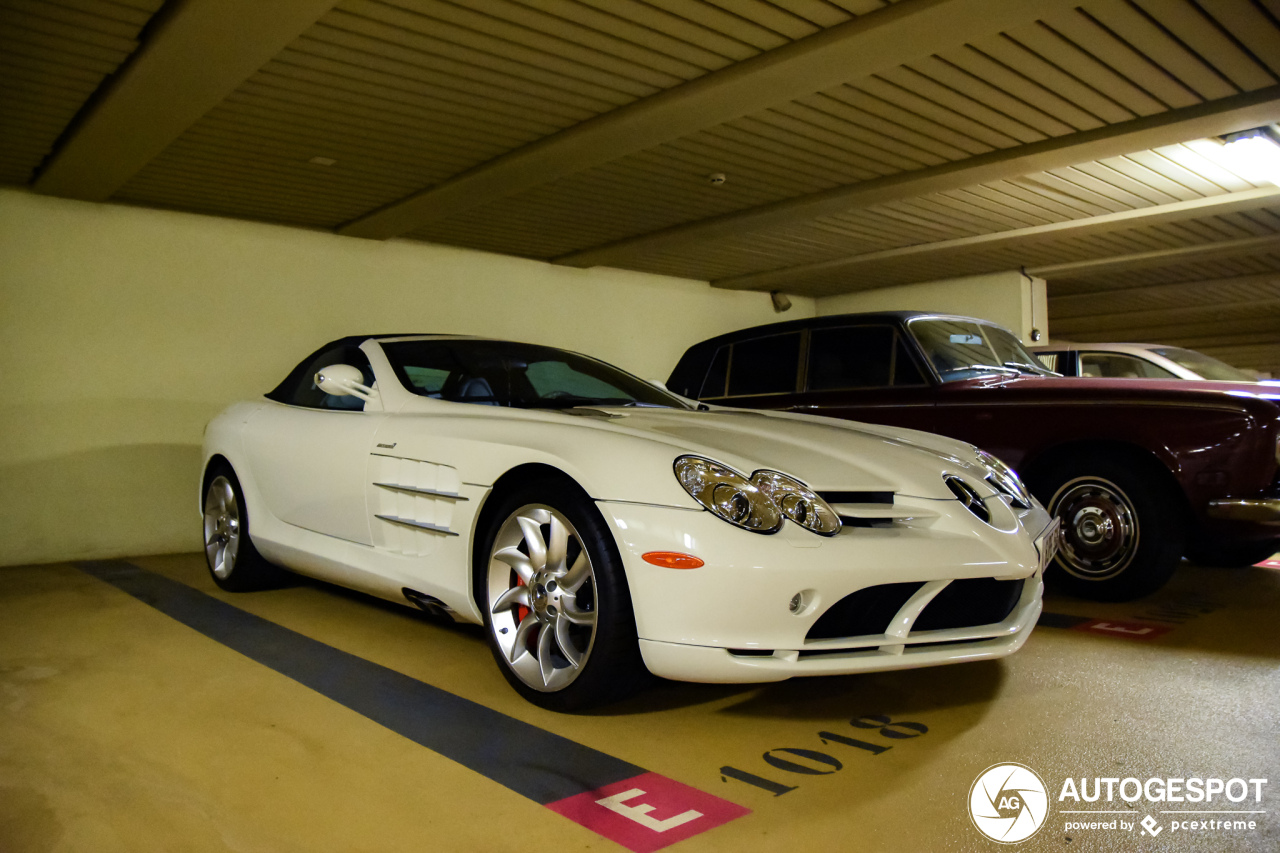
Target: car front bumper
1262,511
732,620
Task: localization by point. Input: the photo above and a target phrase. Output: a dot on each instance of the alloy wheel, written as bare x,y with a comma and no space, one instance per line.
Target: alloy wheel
221,527
541,598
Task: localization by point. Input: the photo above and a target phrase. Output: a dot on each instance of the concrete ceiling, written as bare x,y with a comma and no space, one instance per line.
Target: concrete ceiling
863,143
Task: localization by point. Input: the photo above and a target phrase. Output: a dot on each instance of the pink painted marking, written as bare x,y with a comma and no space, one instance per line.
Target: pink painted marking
1127,630
647,812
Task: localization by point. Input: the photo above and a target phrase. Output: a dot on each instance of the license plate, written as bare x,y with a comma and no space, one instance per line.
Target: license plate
1048,542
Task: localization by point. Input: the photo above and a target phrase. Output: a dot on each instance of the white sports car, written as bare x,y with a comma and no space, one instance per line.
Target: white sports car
600,526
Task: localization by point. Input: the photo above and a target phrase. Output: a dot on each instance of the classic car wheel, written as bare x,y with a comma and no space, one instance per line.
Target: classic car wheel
555,601
1121,534
235,564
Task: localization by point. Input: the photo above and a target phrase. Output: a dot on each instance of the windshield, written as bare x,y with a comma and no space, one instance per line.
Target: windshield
523,376
963,349
1204,366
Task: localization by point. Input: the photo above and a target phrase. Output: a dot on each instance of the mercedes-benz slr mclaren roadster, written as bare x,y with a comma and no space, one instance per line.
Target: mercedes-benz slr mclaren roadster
599,526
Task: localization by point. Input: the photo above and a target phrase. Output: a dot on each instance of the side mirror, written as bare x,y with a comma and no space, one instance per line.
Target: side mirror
343,380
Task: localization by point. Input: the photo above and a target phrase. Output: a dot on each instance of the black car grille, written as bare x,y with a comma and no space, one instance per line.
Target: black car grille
867,611
963,603
969,602
884,498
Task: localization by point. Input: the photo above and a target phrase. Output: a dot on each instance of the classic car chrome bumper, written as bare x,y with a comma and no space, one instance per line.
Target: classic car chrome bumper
1258,511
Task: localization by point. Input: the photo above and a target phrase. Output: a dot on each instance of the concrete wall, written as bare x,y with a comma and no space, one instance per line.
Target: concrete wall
123,330
1008,298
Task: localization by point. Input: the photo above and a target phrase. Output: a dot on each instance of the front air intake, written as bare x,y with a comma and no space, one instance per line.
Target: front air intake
867,611
969,602
963,603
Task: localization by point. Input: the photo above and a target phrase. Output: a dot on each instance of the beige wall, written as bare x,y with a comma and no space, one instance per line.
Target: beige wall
1008,298
123,330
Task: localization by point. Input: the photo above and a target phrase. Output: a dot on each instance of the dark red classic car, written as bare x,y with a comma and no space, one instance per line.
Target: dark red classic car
1141,472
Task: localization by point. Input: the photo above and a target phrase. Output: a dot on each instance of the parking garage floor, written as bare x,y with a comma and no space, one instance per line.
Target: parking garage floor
142,709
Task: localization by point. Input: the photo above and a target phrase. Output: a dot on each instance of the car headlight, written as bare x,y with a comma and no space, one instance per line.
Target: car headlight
728,494
1006,480
798,502
758,504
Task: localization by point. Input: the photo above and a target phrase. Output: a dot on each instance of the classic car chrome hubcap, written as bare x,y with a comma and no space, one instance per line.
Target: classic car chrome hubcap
221,526
1100,528
541,598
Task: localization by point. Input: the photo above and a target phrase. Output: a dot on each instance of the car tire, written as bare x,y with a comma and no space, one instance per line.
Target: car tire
234,563
557,609
1122,531
1230,555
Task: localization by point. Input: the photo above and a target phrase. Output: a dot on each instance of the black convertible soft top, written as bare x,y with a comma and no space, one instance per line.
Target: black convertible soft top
292,380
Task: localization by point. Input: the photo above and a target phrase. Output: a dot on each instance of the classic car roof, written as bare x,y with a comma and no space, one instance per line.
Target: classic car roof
895,317
1116,346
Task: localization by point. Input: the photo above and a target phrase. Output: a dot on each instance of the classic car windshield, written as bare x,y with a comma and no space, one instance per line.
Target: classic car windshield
523,376
1203,366
962,349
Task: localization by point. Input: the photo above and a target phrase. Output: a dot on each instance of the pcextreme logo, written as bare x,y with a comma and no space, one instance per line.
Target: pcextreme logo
1008,803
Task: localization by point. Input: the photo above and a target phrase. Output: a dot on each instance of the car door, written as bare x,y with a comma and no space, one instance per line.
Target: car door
865,372
757,373
1121,366
310,454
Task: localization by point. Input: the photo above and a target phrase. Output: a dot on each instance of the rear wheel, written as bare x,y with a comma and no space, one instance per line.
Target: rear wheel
556,605
235,564
1121,530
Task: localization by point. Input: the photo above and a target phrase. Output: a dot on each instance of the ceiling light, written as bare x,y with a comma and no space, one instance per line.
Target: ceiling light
1255,154
322,161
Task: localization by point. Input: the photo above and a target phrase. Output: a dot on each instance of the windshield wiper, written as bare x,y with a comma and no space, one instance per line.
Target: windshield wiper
1007,371
1022,367
565,401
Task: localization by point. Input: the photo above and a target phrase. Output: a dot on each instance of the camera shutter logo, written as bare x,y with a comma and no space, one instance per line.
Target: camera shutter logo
1008,803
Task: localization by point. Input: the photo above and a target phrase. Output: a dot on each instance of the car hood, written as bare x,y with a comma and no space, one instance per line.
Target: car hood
826,453
1186,391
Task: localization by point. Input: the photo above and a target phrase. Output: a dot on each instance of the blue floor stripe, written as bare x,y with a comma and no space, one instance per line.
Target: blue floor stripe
542,766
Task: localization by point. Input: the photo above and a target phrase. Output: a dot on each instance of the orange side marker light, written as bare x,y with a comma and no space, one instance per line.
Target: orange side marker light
672,560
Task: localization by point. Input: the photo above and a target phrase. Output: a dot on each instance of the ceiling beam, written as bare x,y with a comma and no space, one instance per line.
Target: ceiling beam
1239,112
1170,333
1125,219
1085,304
193,55
1256,357
1162,257
1216,314
855,49
1251,339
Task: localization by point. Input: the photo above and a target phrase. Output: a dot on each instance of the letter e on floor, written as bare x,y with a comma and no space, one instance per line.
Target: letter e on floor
647,812
1125,630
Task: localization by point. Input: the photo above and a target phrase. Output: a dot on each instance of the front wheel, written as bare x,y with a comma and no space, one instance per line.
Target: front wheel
556,604
1122,532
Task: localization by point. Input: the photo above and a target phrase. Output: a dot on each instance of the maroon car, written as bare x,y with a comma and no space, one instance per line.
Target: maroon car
1141,472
